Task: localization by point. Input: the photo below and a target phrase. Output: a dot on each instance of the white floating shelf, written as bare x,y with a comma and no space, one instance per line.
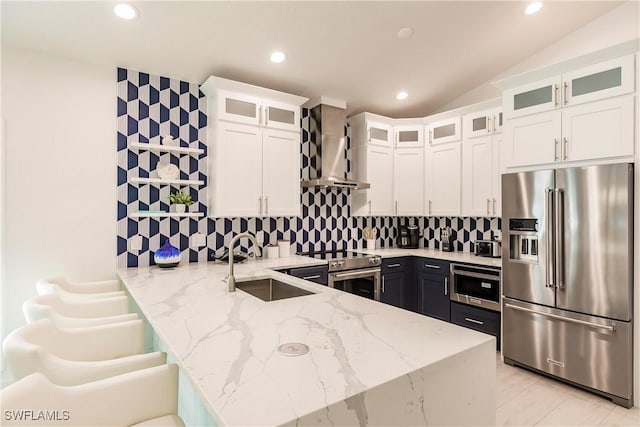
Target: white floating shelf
165,181
166,215
165,148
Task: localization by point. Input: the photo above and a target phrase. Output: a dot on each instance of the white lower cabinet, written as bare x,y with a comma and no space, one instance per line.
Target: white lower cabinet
374,165
409,181
442,179
481,179
255,172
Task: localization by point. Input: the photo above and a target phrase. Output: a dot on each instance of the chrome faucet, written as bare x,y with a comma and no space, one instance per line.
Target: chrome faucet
231,281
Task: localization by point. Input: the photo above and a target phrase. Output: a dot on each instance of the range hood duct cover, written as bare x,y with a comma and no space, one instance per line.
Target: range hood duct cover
326,126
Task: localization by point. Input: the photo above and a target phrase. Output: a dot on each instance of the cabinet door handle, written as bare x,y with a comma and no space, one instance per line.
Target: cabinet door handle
488,119
369,134
429,207
430,136
494,123
555,149
488,207
437,267
477,322
383,284
260,205
393,265
564,148
565,94
266,206
315,276
396,207
446,286
369,207
494,207
555,95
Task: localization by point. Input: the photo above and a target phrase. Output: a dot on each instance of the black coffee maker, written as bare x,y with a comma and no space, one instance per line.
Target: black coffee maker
408,237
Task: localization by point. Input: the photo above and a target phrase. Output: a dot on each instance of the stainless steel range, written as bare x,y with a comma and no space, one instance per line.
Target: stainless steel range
352,272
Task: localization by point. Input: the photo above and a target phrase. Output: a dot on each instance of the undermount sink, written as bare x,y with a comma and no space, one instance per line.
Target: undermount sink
271,289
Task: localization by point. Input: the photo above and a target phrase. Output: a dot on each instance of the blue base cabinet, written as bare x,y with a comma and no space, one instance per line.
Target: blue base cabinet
433,287
394,281
482,320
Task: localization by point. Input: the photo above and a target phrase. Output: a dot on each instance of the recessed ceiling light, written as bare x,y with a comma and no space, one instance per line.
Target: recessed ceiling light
125,11
402,95
278,57
533,7
405,33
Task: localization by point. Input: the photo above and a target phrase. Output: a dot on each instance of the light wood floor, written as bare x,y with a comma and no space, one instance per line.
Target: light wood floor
527,399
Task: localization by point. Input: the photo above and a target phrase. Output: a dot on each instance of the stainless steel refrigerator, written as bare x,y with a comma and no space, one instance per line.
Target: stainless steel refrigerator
567,271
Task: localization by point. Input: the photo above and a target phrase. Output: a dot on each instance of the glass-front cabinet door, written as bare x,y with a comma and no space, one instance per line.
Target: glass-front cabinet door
283,116
478,124
408,136
444,131
536,97
379,134
603,80
239,108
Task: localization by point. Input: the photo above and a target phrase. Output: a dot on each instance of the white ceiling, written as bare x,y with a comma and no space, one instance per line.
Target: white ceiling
345,50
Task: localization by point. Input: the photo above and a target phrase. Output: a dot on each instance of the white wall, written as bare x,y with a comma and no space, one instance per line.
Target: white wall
619,25
60,180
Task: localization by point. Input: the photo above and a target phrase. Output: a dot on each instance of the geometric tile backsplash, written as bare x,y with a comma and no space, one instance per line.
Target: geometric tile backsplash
150,107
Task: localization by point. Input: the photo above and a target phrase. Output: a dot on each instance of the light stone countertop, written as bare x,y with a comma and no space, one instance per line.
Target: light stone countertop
466,257
227,342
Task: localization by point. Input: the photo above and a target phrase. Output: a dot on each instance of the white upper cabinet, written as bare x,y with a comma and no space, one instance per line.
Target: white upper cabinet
254,150
582,115
482,123
599,81
444,131
409,136
281,173
409,181
241,108
373,164
237,164
533,140
481,163
379,134
598,130
536,97
278,115
442,179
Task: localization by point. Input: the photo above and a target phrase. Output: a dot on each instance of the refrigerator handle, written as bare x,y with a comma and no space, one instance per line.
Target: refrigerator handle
548,213
559,237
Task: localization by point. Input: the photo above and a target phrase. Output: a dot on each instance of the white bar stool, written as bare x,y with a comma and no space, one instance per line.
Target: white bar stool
79,291
73,356
148,397
77,314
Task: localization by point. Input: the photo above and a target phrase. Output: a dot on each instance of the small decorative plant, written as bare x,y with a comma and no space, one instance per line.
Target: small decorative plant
180,198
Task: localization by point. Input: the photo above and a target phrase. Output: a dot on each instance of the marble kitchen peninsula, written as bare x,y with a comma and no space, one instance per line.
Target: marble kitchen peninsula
369,363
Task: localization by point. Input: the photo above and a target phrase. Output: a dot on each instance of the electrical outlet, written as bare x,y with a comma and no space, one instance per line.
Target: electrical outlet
198,240
136,243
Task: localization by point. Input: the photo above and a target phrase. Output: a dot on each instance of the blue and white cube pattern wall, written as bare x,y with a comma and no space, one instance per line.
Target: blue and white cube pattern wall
150,107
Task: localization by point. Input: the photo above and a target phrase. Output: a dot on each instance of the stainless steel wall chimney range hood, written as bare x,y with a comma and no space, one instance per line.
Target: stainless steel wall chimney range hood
326,127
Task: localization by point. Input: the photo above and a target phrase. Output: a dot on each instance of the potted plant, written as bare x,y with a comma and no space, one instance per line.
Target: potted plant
180,201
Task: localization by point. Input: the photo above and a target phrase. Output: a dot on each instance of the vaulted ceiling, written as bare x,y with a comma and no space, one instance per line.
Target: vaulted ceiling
345,50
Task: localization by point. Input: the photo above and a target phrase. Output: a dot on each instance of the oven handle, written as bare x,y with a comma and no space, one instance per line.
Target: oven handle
358,273
476,275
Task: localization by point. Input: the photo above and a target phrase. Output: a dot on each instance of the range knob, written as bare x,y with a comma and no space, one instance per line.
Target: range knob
374,260
334,264
340,263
